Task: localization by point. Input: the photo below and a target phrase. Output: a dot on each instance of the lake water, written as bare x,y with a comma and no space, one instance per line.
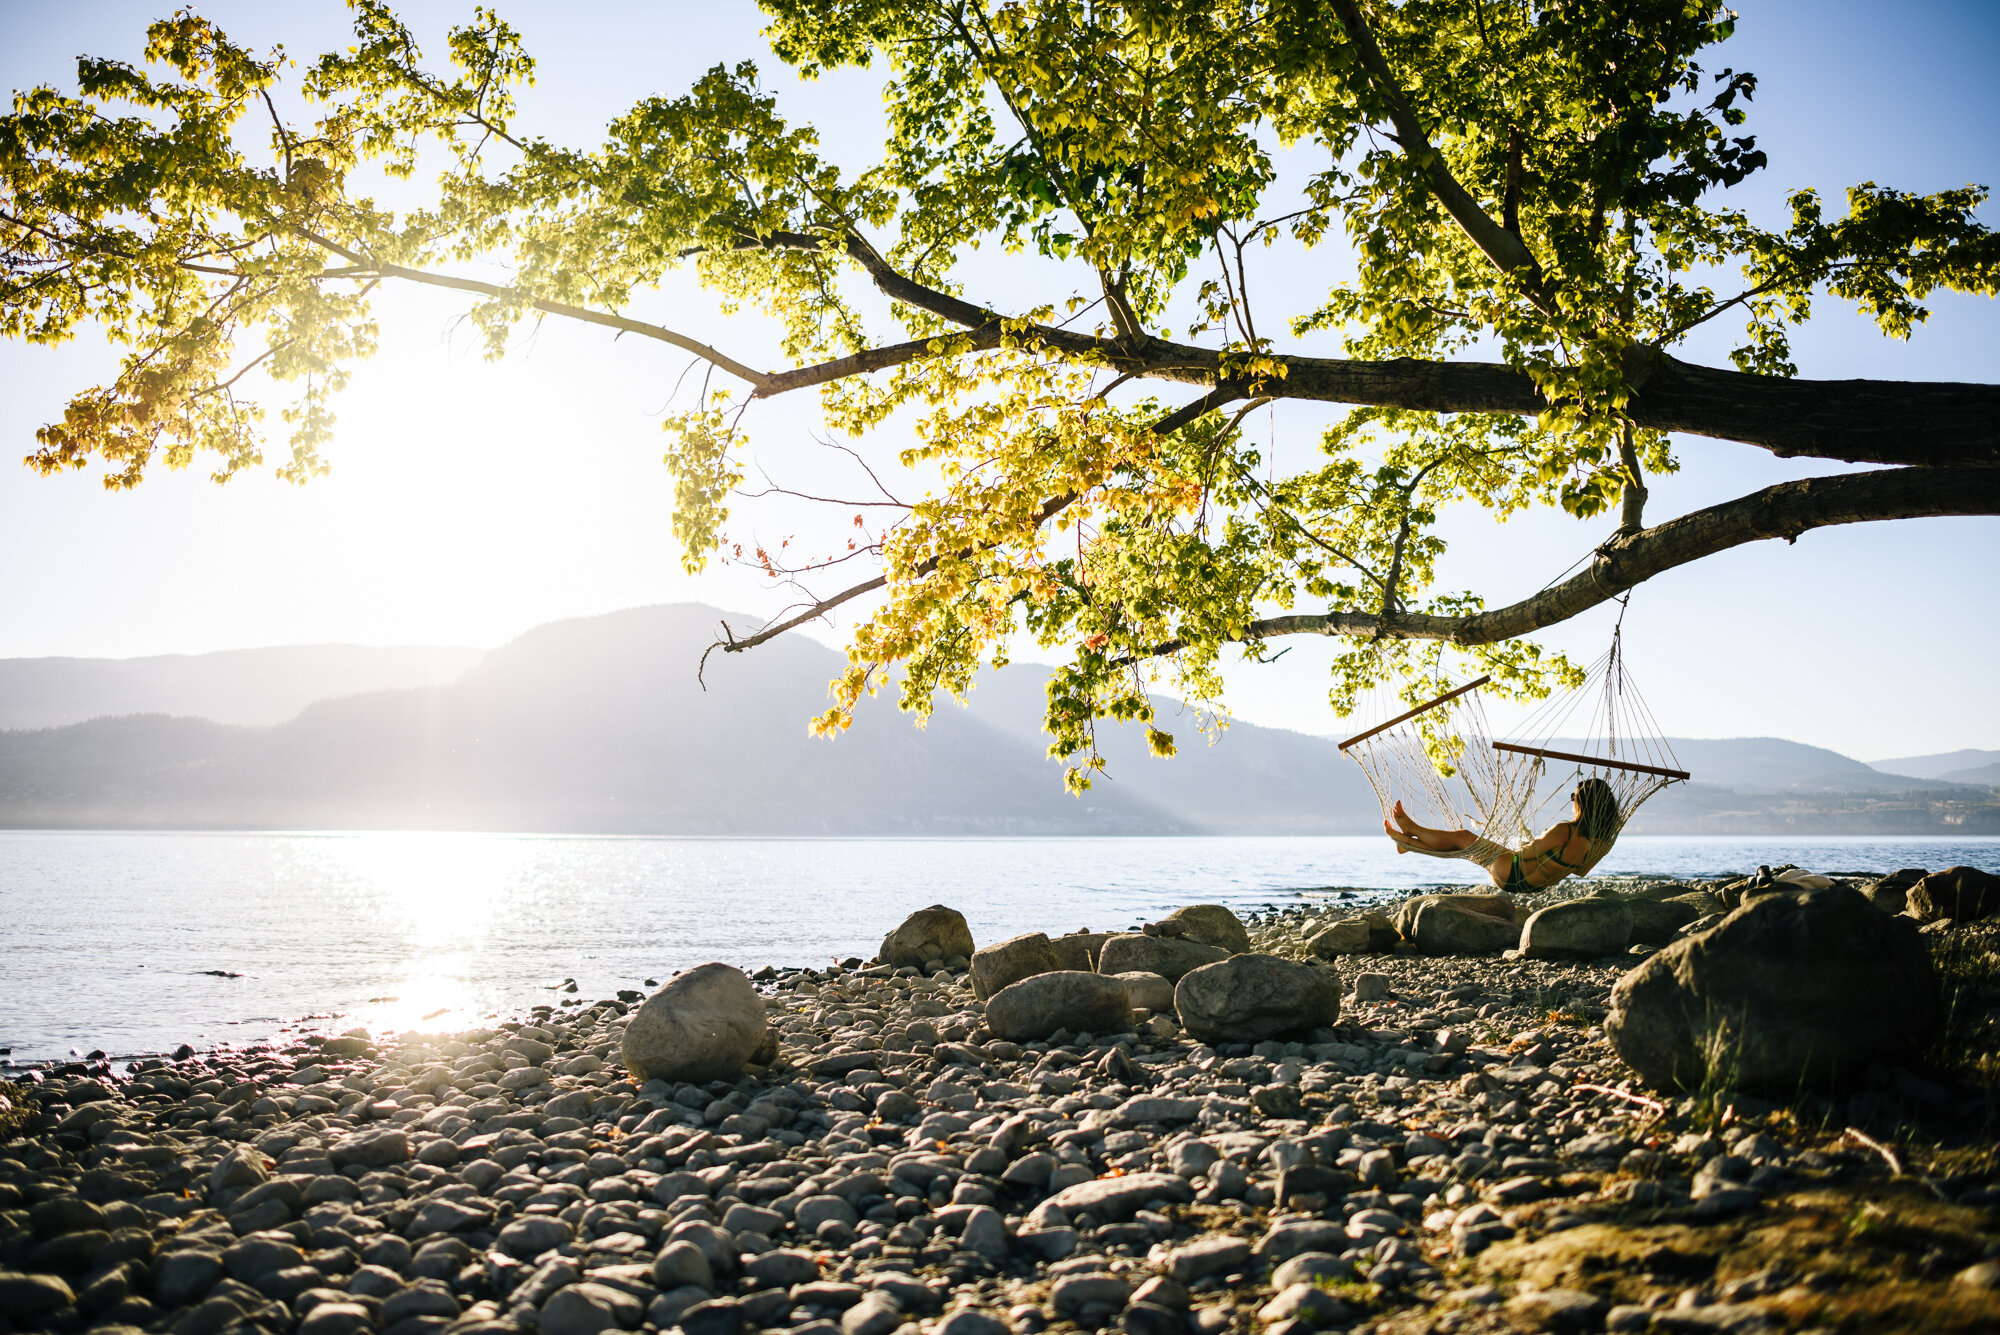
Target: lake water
107,940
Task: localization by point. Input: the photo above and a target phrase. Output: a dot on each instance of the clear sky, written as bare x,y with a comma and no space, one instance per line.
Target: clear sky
471,501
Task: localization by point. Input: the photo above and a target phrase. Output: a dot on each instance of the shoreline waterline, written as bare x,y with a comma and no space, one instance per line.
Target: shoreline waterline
139,942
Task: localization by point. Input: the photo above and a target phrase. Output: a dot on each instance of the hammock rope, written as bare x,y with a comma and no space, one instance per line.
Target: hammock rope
1441,761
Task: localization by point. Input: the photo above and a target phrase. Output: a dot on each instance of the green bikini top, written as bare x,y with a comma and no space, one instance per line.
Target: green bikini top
1556,857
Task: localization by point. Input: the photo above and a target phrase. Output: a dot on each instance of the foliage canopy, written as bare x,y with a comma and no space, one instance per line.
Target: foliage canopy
1539,182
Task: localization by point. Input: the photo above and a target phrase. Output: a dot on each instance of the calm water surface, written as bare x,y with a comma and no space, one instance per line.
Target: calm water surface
107,939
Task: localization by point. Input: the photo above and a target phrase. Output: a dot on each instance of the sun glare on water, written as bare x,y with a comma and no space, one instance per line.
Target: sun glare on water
435,896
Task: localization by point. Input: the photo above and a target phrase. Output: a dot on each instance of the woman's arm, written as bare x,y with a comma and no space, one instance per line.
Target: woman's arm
1553,840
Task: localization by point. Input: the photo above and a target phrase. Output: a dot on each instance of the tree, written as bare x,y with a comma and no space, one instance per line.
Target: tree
1533,194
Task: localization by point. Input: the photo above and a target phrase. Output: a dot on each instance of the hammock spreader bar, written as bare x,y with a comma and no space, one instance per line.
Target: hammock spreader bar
1596,761
1420,709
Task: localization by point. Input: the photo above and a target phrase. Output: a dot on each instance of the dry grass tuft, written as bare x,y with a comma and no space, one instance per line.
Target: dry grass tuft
1967,1048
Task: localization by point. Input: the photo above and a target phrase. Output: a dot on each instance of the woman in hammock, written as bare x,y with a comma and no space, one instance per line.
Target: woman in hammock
1568,848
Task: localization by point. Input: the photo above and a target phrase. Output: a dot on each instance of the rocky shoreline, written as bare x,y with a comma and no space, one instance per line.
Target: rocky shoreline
1422,1142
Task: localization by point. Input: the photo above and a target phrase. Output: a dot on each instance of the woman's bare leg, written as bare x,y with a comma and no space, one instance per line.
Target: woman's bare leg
1423,834
1411,832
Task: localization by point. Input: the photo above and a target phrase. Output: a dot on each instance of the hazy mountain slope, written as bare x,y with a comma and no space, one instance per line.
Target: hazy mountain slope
255,686
588,725
1987,776
1949,765
1772,765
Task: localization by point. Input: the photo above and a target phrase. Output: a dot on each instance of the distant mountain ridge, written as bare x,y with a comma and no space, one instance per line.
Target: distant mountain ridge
598,725
1967,766
1773,765
250,686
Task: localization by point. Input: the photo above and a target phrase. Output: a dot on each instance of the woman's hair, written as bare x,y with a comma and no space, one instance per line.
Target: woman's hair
1597,808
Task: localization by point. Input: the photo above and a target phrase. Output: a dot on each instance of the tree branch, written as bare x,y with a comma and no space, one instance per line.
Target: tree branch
731,645
1507,251
1853,421
871,359
1782,511
610,321
1225,393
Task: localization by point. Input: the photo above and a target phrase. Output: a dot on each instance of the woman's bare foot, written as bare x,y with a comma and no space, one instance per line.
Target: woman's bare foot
1418,840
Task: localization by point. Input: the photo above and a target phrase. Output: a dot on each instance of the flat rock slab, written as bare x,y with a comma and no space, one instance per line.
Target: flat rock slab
372,1149
1151,1108
1119,1197
1036,1007
843,1063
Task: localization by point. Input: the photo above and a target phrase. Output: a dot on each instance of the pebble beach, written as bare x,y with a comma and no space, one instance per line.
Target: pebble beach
1459,1150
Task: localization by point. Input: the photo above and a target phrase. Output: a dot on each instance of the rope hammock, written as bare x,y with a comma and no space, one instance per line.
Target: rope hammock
1441,761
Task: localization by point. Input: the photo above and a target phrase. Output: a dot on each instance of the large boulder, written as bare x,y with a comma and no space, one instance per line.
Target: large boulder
1578,929
704,1025
1147,991
1962,894
1656,920
1704,903
1078,950
1249,998
1036,1007
997,966
1891,893
1210,924
1443,928
1806,987
935,933
1170,957
1404,916
1349,936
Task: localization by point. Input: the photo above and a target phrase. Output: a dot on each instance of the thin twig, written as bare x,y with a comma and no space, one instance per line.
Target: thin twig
775,490
856,456
1653,1106
1888,1155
